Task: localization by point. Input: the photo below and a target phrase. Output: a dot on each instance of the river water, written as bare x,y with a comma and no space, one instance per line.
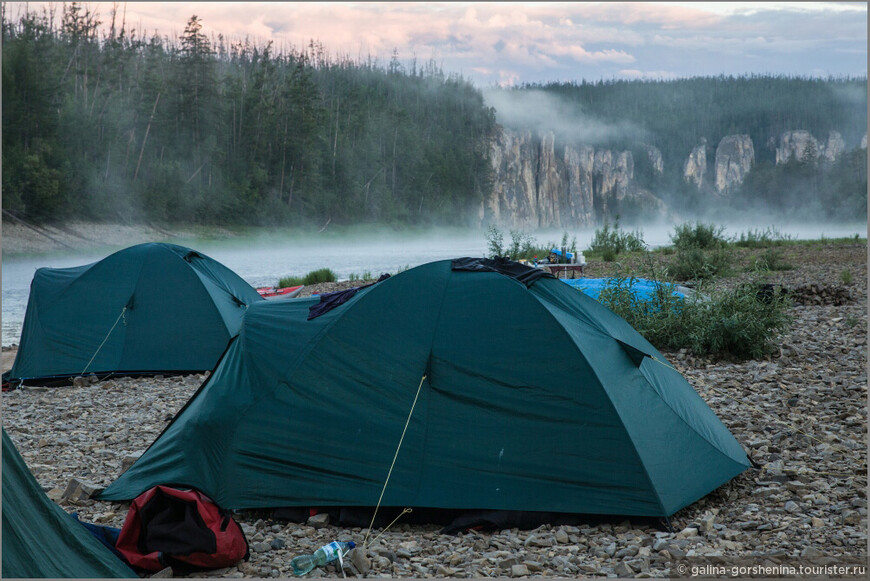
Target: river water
261,261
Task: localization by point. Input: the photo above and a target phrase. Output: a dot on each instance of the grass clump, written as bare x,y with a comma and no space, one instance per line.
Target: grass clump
610,242
846,276
761,238
772,259
287,281
739,322
313,277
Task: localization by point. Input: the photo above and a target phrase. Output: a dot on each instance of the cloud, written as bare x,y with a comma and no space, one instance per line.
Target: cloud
541,42
580,54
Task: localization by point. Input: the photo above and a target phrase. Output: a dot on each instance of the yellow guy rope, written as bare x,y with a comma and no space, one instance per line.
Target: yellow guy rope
124,310
396,455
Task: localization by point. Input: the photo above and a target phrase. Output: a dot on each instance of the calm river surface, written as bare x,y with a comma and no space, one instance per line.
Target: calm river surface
262,261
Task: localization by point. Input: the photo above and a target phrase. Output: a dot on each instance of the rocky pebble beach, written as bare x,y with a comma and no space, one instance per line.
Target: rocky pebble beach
801,414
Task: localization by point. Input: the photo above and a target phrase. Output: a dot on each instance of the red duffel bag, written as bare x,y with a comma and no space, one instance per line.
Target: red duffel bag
180,528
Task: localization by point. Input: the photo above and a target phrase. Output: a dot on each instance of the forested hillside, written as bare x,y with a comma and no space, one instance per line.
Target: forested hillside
103,124
113,126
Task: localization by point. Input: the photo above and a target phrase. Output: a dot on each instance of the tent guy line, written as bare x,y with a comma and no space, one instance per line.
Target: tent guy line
124,310
393,464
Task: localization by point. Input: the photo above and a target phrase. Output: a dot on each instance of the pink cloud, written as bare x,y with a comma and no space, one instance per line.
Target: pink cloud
525,38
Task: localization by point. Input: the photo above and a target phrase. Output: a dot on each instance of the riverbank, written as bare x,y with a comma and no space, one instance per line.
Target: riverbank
19,238
801,414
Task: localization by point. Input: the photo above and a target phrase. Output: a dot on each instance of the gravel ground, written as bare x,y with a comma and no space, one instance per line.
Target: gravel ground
801,414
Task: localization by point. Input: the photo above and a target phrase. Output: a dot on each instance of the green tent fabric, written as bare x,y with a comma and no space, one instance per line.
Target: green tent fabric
149,308
39,538
535,398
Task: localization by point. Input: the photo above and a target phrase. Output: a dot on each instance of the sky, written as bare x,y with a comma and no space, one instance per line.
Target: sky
510,43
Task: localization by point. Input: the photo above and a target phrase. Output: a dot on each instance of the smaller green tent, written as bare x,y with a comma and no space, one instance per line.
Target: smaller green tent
39,538
150,308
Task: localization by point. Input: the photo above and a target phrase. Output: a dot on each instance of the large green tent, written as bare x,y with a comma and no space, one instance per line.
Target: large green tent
535,398
150,308
39,538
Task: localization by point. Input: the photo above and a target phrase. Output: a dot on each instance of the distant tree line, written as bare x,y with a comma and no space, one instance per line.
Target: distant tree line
100,123
113,126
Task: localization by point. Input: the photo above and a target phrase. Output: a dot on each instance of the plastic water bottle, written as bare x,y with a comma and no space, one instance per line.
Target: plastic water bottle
325,554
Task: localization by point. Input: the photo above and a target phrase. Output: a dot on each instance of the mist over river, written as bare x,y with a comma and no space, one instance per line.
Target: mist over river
262,260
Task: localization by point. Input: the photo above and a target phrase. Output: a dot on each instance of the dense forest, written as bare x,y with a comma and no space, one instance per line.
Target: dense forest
102,124
112,126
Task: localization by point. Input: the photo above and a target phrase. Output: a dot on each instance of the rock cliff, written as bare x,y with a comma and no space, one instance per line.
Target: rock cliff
735,156
834,147
654,155
801,145
539,183
695,167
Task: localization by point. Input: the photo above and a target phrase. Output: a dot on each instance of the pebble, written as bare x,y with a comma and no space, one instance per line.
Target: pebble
800,413
520,570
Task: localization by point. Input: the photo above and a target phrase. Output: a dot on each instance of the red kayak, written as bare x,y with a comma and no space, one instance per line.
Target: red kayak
288,292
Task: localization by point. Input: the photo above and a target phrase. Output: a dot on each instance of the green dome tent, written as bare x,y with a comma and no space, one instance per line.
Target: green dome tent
39,538
150,308
523,394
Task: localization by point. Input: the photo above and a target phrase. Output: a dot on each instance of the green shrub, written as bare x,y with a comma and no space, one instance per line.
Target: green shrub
734,322
699,235
521,245
694,263
608,254
494,242
608,243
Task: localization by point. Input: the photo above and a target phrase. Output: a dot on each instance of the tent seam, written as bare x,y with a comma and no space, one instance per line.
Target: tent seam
429,379
211,302
562,329
124,341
